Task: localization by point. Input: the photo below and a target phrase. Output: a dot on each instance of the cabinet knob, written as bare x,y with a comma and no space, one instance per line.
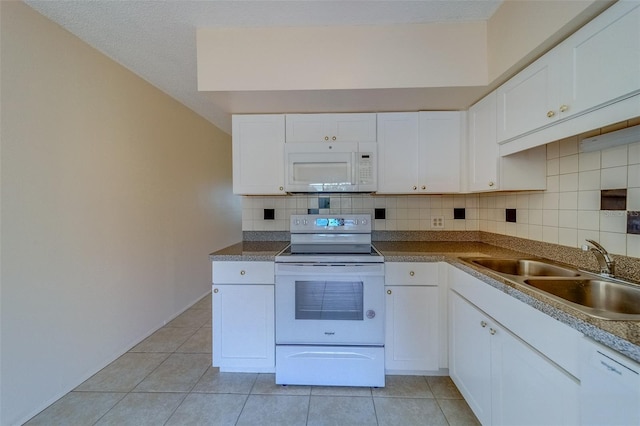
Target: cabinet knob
564,108
412,273
492,331
415,188
551,114
424,187
492,183
333,138
483,324
281,188
215,290
242,272
326,138
388,291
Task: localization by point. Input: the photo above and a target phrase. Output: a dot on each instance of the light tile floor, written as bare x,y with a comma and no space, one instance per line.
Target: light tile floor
167,379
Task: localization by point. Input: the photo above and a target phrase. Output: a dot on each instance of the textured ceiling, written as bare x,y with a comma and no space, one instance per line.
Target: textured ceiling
157,41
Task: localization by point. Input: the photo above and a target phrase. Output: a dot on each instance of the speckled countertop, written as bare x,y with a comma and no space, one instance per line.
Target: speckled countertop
623,336
254,251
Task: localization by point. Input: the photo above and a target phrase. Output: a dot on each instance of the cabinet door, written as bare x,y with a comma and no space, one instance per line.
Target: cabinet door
439,151
603,59
411,343
470,355
530,99
397,153
243,328
483,149
331,127
527,388
258,154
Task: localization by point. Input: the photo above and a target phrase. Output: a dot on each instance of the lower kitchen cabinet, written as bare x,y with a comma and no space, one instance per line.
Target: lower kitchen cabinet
504,380
412,335
244,317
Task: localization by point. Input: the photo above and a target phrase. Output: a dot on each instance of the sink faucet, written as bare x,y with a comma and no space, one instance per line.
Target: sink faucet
607,264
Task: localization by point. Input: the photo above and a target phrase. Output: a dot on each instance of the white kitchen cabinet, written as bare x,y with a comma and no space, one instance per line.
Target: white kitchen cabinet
419,152
596,66
505,359
487,170
483,149
360,127
530,99
602,60
470,355
412,340
504,380
244,316
258,154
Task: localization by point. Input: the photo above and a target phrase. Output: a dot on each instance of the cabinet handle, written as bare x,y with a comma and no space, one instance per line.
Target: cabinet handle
215,290
415,187
281,188
388,291
492,331
564,108
483,324
424,187
491,183
242,272
412,273
551,114
326,138
333,138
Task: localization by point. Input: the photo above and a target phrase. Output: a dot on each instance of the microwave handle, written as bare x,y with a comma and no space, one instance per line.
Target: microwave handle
354,168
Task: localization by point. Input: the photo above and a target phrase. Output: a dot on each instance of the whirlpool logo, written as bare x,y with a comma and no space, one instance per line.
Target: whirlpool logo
329,333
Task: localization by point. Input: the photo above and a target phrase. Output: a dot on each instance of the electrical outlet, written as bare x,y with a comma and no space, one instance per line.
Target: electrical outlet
437,222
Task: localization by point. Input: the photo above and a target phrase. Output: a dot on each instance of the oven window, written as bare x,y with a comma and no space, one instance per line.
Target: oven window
329,300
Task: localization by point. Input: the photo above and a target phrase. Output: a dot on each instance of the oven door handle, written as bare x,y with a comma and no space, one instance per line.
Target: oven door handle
325,269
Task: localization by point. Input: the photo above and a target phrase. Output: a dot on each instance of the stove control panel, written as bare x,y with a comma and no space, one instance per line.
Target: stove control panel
314,223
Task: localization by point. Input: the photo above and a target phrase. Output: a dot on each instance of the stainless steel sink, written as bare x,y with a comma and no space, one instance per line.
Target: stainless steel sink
607,299
525,267
592,294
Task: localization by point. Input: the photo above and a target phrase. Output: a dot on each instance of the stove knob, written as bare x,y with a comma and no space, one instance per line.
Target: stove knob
371,314
305,222
296,222
364,221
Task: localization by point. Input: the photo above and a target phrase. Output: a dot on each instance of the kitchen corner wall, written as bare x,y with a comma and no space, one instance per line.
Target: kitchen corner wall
567,213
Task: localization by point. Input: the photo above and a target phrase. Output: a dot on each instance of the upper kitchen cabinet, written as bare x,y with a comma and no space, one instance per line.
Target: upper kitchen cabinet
602,60
331,127
487,170
483,149
419,152
258,154
530,99
597,66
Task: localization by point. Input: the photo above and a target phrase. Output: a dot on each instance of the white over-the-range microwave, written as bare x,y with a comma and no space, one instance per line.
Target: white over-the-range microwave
331,167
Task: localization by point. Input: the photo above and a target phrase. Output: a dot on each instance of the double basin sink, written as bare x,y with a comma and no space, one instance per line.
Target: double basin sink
592,294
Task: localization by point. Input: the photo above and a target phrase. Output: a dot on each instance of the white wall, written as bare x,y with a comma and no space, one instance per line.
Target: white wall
345,57
113,195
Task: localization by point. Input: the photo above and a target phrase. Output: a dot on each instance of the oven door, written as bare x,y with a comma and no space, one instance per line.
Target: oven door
329,304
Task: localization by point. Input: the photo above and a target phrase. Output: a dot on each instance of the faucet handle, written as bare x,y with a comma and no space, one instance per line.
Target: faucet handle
596,245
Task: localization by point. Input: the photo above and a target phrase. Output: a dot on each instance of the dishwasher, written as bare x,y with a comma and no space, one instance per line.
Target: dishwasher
610,387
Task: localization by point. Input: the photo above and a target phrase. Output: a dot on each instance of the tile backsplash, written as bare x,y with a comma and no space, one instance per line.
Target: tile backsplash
567,213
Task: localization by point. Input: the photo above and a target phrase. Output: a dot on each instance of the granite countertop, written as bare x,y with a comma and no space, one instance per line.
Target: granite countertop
622,336
255,251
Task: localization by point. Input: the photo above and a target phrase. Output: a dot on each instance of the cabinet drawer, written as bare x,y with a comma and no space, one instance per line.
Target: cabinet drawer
411,273
243,272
